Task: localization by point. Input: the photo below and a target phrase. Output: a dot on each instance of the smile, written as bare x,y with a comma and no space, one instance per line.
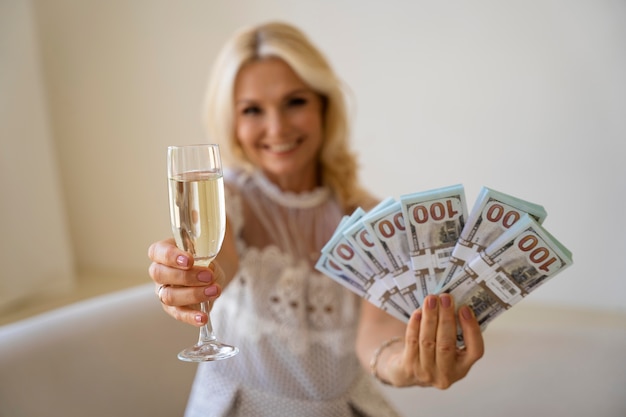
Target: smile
283,147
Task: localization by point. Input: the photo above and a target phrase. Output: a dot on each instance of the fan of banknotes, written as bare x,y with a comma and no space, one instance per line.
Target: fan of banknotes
426,243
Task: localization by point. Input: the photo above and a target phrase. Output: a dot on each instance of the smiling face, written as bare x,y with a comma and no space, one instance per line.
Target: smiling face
278,123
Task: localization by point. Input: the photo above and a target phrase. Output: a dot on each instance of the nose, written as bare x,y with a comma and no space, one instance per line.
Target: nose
276,124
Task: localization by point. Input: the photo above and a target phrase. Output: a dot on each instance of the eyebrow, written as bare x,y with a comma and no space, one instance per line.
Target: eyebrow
295,92
300,91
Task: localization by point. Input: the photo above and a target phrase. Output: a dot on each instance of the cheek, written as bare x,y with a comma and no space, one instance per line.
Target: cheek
311,122
245,133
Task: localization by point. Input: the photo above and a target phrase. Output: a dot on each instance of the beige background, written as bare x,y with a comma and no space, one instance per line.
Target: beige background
527,97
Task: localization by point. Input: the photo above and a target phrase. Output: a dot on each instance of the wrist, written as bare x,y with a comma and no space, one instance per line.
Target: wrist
381,356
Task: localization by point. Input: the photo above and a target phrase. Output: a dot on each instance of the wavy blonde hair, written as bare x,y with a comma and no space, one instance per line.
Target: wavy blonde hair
338,164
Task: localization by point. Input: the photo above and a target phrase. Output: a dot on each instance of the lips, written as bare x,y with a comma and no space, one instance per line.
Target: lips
283,147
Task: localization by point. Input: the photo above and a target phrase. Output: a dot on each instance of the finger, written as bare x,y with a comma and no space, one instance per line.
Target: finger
474,343
196,276
428,334
185,296
167,253
411,338
446,351
188,314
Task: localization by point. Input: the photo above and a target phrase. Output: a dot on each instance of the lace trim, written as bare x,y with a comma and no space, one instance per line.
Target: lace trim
272,295
296,300
307,199
254,329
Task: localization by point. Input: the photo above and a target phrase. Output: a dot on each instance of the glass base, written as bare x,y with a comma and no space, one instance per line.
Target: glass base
207,352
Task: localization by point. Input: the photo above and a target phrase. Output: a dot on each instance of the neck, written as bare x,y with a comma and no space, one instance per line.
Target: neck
295,184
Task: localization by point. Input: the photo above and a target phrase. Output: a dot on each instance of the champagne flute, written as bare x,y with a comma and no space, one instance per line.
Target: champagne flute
198,220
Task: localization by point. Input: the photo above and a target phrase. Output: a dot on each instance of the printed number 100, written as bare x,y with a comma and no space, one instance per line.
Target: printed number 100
437,211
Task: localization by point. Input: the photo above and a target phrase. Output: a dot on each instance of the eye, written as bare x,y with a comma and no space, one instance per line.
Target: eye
296,101
251,110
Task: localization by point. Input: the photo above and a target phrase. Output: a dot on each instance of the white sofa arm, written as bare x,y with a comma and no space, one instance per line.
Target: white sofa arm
113,355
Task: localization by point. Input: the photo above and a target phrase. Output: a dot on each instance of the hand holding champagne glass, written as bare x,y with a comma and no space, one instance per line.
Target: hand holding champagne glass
198,220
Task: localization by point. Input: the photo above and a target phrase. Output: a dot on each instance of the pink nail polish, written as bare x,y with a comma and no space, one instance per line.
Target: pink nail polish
205,276
210,291
182,260
446,301
417,315
432,302
466,312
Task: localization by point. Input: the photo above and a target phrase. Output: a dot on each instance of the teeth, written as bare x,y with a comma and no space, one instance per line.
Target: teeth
284,147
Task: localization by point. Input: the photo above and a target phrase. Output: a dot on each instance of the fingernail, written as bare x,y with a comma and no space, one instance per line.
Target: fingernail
182,260
417,315
205,276
466,312
210,291
446,301
432,302
198,318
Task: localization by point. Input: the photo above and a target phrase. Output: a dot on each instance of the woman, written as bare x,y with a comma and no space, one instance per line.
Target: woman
278,111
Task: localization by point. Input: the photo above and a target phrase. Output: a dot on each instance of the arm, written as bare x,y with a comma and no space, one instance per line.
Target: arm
187,285
426,354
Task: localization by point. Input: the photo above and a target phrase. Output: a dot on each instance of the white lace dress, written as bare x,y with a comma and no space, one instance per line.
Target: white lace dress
295,328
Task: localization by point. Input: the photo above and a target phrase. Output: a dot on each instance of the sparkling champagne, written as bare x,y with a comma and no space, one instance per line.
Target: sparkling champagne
198,215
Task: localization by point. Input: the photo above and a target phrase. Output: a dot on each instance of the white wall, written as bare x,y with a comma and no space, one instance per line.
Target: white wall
527,97
35,251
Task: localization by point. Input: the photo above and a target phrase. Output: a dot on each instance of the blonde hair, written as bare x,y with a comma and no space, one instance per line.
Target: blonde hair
338,165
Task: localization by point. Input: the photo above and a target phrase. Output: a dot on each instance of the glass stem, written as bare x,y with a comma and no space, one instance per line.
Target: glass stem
207,334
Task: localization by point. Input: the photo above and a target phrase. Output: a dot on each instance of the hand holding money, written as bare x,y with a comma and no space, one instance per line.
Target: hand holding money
402,251
518,262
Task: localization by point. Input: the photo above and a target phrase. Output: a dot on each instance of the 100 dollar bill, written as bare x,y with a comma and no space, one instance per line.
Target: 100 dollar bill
341,251
340,260
434,220
524,257
388,233
493,213
359,236
384,287
342,276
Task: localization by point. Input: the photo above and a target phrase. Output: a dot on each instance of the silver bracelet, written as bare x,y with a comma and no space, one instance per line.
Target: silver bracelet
374,361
